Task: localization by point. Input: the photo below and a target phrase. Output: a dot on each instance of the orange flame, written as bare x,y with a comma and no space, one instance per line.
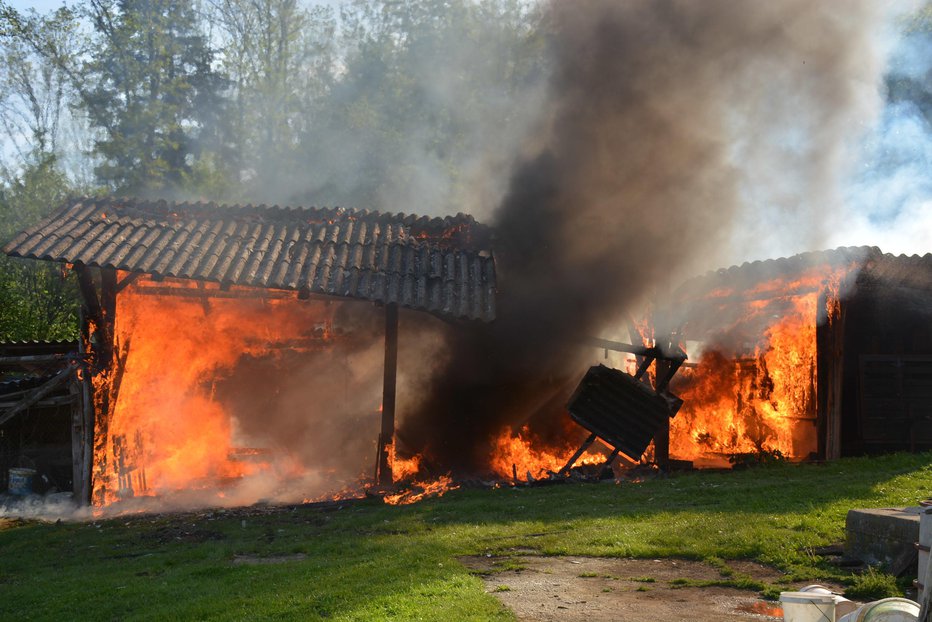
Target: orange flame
402,468
520,453
166,431
739,402
436,488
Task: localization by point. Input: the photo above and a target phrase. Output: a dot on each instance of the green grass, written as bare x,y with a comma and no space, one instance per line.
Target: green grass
369,561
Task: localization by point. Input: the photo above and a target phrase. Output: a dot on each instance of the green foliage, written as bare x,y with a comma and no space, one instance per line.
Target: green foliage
37,300
873,585
150,90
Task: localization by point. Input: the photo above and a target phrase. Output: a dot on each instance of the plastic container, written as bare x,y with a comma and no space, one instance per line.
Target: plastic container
807,606
886,610
20,482
843,606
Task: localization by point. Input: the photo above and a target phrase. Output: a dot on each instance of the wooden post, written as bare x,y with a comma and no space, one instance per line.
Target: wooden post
98,315
79,477
582,449
830,338
387,434
662,438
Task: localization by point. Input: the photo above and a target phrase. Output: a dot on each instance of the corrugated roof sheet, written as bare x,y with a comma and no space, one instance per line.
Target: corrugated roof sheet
440,265
619,409
869,261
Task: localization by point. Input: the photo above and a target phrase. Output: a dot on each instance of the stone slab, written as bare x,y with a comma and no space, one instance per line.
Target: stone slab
884,536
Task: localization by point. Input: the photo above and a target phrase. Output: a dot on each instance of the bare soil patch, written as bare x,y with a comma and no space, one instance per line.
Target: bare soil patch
590,589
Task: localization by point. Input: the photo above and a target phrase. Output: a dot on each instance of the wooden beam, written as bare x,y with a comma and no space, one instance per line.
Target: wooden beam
48,402
582,449
387,434
36,395
83,433
34,360
78,478
833,414
203,293
662,437
617,346
127,281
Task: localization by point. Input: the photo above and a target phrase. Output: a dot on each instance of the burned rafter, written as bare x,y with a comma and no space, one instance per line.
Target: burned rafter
35,396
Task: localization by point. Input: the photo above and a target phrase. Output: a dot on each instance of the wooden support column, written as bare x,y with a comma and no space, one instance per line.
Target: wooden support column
387,434
833,410
80,468
98,315
662,438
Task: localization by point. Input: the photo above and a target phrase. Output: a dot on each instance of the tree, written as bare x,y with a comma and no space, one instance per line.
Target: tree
279,58
34,94
433,97
37,299
150,91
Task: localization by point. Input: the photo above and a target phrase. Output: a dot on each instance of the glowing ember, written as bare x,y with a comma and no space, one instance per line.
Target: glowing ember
421,491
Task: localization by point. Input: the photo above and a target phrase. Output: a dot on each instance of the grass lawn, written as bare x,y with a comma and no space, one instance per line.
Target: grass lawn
369,561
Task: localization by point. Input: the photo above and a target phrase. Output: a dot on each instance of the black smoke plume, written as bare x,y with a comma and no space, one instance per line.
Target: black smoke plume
633,179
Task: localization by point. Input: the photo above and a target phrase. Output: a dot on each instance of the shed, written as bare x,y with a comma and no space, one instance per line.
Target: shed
440,266
870,318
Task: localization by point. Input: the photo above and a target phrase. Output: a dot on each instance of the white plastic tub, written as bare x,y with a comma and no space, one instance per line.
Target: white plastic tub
807,607
886,610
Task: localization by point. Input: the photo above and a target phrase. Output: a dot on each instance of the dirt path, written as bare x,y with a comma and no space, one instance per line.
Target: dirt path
570,589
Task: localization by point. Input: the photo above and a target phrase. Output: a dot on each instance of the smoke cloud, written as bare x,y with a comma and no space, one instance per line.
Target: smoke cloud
676,137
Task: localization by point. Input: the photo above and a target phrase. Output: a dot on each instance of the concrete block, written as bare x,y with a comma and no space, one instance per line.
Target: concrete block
883,536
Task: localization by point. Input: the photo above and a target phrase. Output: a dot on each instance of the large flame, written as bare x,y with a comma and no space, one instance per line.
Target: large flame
522,455
759,397
166,430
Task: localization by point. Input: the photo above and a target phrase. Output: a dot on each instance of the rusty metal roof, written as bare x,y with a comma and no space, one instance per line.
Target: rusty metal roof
439,265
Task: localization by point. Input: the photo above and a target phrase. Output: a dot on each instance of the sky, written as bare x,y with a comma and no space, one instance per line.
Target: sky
42,6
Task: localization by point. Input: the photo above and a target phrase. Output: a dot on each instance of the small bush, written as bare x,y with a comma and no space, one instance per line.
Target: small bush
873,585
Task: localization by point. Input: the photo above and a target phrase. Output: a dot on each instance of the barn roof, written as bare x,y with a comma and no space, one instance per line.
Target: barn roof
440,265
744,299
868,263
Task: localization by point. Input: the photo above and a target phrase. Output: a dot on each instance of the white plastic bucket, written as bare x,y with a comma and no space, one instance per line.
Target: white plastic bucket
807,607
886,610
843,606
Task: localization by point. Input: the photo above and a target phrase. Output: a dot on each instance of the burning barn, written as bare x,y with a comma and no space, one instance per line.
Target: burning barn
823,354
253,352
213,336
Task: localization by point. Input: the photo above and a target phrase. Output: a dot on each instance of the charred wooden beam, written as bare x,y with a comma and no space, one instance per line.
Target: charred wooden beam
671,354
35,360
88,292
79,479
386,436
127,281
204,293
582,449
830,340
47,402
662,437
37,395
83,431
